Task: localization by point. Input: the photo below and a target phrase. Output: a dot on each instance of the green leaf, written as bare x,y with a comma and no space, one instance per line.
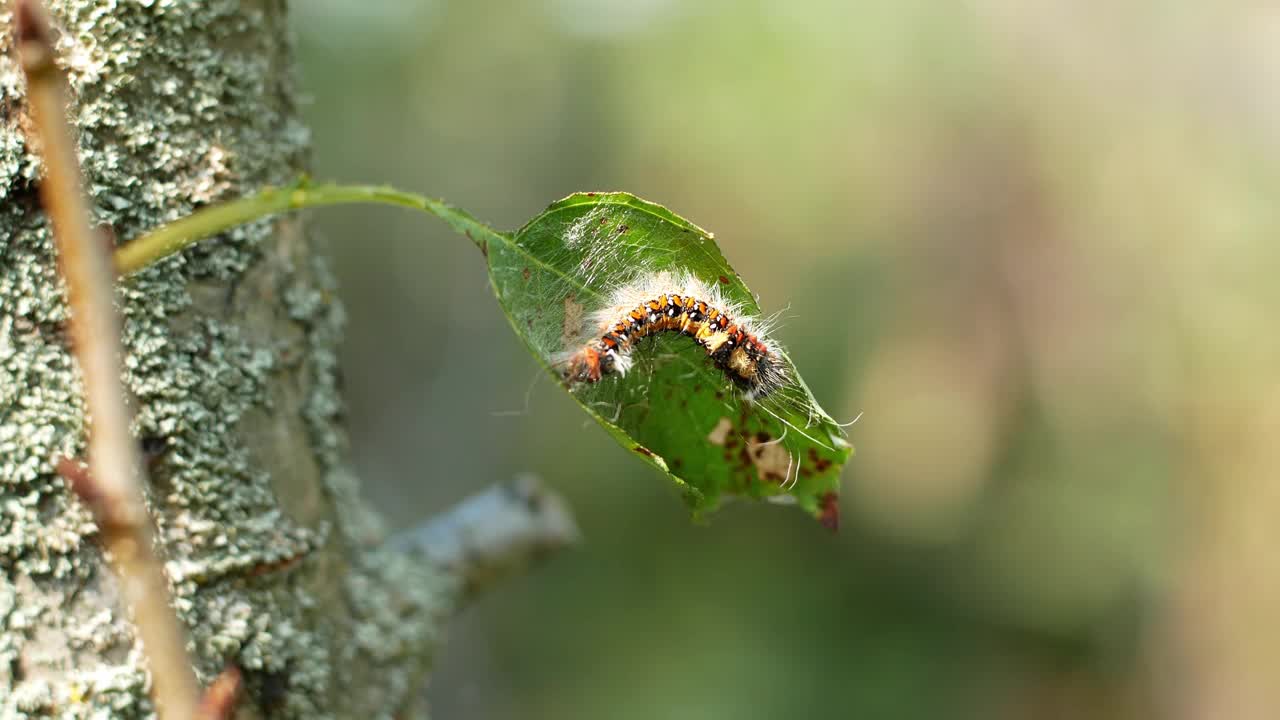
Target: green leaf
674,409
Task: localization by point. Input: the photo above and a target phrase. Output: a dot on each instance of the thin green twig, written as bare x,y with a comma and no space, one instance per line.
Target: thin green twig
175,236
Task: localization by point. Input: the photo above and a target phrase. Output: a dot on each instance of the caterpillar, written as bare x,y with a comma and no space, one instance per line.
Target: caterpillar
736,342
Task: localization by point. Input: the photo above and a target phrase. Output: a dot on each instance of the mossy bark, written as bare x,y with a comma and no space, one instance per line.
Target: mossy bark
231,362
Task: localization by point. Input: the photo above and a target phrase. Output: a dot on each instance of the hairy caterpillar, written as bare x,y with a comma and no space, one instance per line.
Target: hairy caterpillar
736,343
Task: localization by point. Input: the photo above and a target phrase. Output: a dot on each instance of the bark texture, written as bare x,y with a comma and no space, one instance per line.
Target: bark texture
274,559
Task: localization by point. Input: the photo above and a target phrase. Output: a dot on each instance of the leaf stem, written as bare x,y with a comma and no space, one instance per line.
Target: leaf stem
175,236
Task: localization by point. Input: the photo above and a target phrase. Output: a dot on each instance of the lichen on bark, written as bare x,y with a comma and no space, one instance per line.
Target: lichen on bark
231,361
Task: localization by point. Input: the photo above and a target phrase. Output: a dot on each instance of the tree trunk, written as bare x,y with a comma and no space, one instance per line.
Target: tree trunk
275,563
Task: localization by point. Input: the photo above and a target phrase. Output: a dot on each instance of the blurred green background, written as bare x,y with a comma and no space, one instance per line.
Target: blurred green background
1032,241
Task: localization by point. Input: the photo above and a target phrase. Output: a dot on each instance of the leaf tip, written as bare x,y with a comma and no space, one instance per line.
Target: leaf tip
829,510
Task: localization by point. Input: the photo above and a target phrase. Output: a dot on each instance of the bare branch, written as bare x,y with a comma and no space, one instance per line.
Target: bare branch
110,487
495,533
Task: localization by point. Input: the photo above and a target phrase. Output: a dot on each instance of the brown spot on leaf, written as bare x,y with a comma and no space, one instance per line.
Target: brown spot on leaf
720,433
525,274
820,463
724,280
772,460
622,229
644,451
